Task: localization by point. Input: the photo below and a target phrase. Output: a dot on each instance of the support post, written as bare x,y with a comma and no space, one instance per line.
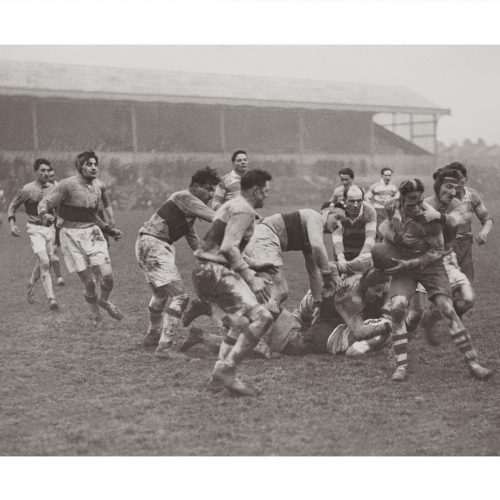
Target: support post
34,115
222,123
301,137
133,121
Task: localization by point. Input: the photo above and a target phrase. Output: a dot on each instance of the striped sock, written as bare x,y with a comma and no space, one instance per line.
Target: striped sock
400,345
464,344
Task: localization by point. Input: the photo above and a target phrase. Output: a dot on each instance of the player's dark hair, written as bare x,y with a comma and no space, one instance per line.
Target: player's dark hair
236,153
445,173
382,170
39,162
347,171
82,158
205,175
460,167
372,277
410,186
255,178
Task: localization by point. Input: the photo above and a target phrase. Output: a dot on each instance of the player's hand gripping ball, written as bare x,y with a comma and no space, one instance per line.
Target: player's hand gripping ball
382,255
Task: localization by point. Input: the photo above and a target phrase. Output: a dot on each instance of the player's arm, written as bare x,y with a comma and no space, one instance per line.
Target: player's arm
193,239
486,220
51,201
370,229
19,198
237,226
338,243
220,193
108,208
370,193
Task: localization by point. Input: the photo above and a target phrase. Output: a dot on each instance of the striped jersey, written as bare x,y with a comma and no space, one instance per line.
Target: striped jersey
176,217
30,194
380,193
228,188
474,206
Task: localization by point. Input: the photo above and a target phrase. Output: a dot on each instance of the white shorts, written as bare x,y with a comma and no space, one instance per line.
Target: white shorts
455,275
43,239
83,248
265,245
157,260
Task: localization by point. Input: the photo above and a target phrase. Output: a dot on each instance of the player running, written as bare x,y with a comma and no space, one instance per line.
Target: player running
230,185
353,240
155,253
347,179
412,252
82,242
224,279
41,234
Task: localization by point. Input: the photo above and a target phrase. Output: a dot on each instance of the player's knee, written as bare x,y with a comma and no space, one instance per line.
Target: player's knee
399,306
260,319
180,302
157,304
445,306
107,282
161,292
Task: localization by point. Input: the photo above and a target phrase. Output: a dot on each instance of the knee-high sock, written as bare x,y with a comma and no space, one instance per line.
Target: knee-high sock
172,318
46,280
35,274
156,308
400,345
464,343
56,266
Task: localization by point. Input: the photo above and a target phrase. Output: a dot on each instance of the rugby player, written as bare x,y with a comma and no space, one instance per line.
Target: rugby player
355,237
41,234
81,234
346,178
155,253
225,280
380,193
412,252
230,185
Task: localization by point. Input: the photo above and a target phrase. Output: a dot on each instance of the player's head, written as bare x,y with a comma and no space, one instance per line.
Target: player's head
353,196
346,176
52,175
461,168
203,184
386,174
447,184
239,159
87,164
255,186
42,168
373,285
411,196
333,214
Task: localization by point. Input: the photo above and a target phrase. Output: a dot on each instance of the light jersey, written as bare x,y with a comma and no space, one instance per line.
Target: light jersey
474,206
210,245
455,212
30,194
176,218
380,193
413,236
77,201
338,195
355,236
228,188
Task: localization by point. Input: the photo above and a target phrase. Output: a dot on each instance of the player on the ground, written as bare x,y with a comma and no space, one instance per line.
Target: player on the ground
347,179
230,185
155,253
82,243
225,280
412,252
353,240
380,193
42,236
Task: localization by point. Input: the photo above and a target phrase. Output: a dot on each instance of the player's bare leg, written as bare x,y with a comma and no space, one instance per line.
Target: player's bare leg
87,279
399,307
107,283
460,337
45,278
56,267
30,290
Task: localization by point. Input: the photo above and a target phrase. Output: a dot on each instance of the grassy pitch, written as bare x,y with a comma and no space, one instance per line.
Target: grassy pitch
68,389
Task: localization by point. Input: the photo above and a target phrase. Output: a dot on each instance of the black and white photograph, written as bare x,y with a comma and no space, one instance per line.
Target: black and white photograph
249,250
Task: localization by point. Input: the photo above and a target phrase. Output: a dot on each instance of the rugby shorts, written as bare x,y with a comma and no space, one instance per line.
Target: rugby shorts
43,239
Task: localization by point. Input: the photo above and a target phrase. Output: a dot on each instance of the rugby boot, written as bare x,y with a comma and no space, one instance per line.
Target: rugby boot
165,350
151,338
399,374
214,385
60,281
53,305
30,293
227,375
262,349
111,309
478,371
195,336
96,319
195,309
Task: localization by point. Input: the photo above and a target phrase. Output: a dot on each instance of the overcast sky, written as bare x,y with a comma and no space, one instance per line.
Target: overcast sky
465,79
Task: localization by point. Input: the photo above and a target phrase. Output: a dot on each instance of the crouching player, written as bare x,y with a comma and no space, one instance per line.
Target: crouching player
412,252
81,235
224,279
155,253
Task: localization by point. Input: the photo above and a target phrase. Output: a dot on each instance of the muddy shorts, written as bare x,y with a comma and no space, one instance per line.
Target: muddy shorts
157,260
83,248
265,245
462,247
225,290
455,275
43,239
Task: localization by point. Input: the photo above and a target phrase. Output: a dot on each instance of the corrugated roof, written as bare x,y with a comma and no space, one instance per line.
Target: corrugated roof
95,82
